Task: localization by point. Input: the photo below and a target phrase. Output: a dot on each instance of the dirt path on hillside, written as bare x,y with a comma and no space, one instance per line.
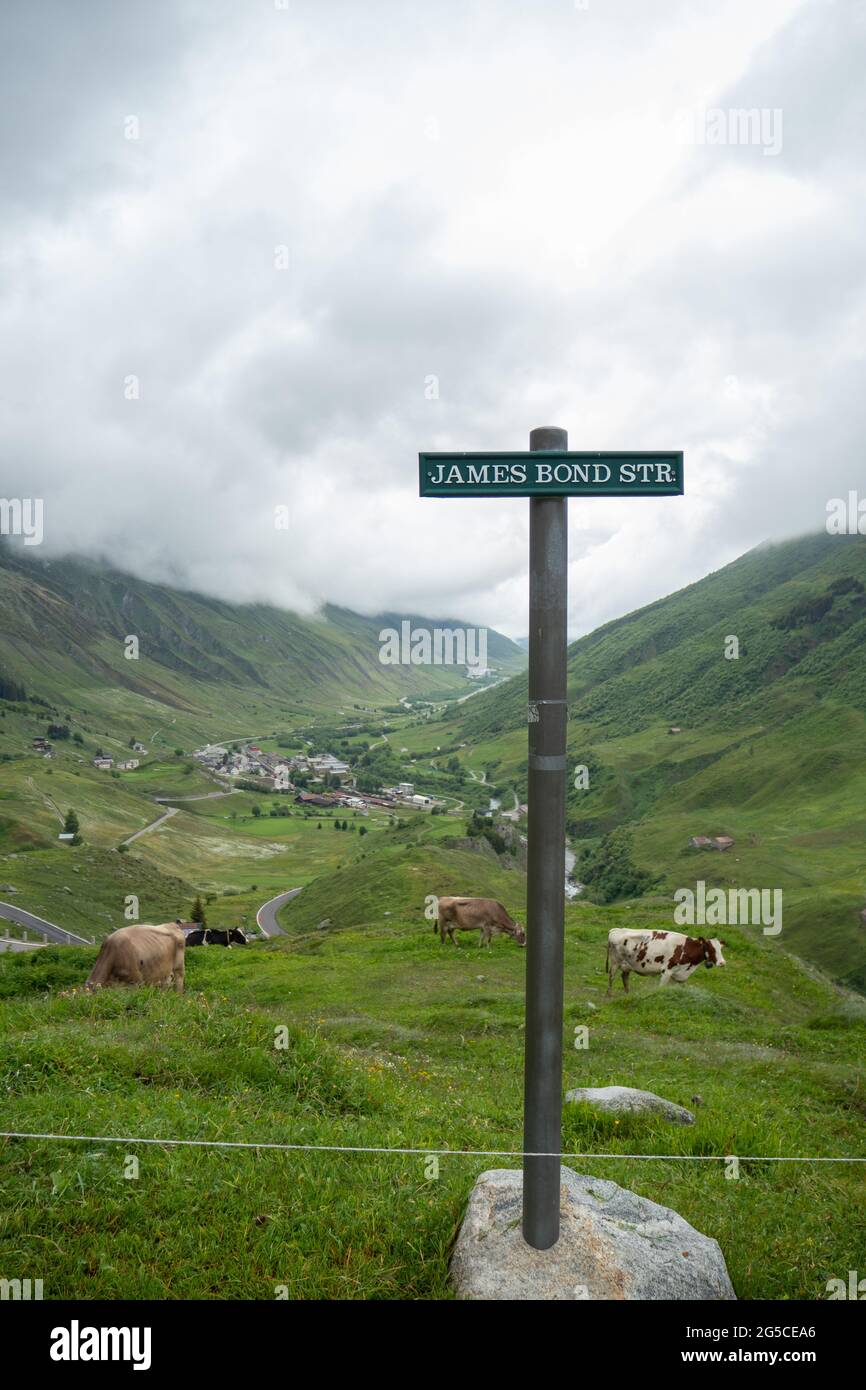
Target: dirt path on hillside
172,811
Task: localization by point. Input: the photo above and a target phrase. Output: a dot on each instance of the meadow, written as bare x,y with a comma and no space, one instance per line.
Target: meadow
393,1040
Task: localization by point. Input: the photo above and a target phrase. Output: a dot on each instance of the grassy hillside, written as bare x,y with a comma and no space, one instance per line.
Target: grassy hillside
206,669
798,609
394,1040
771,748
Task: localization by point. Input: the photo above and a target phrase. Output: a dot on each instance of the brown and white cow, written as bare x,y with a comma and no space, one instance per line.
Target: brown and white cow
669,954
141,955
476,914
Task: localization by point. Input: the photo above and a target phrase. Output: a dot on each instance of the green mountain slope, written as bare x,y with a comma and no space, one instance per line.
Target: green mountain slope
771,748
204,666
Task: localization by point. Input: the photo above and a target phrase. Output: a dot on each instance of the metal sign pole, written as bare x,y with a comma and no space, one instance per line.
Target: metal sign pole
548,584
548,475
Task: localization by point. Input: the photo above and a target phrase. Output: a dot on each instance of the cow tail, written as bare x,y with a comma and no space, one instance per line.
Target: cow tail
100,971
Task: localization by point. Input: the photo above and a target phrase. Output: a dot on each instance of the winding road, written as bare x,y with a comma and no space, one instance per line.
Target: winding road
31,921
266,917
266,921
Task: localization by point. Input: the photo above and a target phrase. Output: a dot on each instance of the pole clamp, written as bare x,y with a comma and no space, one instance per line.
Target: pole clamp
533,711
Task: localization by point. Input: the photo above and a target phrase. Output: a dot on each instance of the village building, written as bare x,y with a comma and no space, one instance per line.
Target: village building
326,765
319,798
719,842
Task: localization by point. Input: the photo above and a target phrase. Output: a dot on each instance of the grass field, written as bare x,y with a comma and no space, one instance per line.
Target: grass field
396,1041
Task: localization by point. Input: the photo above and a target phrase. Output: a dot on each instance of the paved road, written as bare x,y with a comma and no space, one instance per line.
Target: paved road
266,920
206,796
38,924
153,825
514,813
266,917
472,693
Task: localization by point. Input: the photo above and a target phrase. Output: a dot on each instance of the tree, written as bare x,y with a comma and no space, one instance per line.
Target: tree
256,810
362,829
70,825
198,914
609,872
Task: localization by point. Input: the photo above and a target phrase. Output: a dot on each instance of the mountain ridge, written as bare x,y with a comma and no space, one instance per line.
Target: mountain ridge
766,745
63,624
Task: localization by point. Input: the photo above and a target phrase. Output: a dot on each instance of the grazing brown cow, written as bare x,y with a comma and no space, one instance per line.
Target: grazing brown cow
476,914
140,956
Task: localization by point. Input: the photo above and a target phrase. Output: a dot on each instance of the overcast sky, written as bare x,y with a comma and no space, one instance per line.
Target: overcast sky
507,197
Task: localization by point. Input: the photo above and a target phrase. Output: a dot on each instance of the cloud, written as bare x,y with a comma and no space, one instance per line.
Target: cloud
345,234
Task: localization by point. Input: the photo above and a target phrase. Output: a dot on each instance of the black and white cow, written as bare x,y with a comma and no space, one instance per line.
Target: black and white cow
213,936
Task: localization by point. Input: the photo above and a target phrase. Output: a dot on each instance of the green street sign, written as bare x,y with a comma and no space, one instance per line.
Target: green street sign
551,473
